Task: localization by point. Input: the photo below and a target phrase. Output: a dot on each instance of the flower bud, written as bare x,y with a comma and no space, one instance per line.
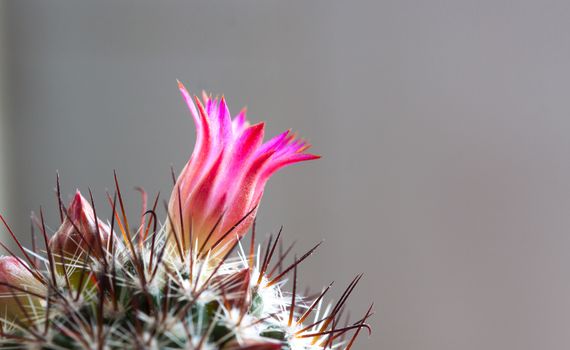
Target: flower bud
77,236
20,292
80,240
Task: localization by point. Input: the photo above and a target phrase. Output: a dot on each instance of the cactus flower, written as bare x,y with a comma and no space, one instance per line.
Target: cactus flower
16,281
77,235
223,182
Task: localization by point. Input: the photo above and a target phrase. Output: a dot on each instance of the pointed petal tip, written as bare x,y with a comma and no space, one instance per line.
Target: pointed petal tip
76,207
303,157
206,97
198,102
77,199
259,125
180,85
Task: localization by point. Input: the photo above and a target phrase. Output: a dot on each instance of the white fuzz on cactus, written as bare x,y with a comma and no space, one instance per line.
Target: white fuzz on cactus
185,282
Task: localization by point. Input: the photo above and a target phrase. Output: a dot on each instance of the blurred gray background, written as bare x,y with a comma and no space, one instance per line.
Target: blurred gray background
444,128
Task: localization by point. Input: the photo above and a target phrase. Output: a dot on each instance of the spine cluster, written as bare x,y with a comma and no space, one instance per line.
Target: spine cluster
99,289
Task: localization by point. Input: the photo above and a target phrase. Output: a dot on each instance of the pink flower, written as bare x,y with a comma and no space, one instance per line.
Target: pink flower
223,182
77,235
20,292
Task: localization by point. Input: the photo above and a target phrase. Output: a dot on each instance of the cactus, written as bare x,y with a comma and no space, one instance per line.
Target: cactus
186,282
